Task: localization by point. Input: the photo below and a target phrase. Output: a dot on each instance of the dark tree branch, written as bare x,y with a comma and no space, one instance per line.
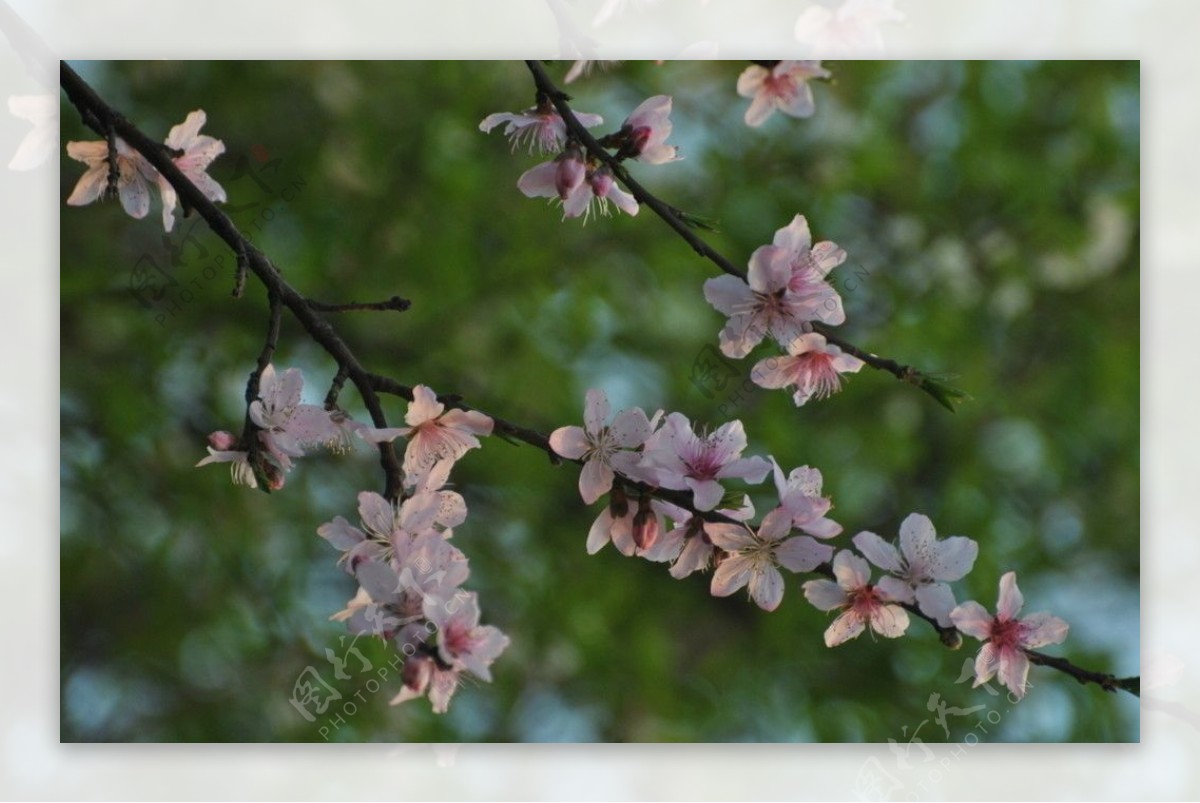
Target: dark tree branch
1133,685
546,88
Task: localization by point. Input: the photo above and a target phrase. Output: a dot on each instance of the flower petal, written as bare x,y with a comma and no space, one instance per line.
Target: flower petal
595,480
1014,671
595,411
731,575
878,551
1011,600
598,535
972,619
766,588
936,600
802,554
824,595
1040,629
844,628
889,621
570,442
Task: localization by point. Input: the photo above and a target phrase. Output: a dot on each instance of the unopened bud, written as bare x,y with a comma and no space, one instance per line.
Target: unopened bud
951,638
417,672
570,173
222,441
601,181
273,475
645,527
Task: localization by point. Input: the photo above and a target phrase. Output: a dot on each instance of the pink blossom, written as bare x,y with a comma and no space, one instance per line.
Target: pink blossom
923,563
784,87
861,603
434,434
648,127
810,265
602,447
423,676
851,31
577,186
761,304
615,523
687,545
462,643
273,411
134,176
1007,637
800,498
540,128
390,532
198,153
811,365
678,458
755,557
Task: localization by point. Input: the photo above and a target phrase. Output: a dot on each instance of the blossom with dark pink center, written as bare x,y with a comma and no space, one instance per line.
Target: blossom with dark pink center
783,87
462,643
762,304
434,433
861,603
1007,637
810,264
812,365
676,457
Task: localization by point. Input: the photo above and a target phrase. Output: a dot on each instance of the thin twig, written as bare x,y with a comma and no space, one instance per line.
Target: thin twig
394,303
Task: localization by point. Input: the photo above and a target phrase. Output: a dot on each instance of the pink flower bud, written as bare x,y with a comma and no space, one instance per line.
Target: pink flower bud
645,527
417,672
222,441
601,181
569,173
275,479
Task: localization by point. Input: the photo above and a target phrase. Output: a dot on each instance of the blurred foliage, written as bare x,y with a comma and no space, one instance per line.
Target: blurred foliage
990,211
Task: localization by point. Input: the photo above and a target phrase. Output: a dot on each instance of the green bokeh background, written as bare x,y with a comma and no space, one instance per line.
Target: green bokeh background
990,211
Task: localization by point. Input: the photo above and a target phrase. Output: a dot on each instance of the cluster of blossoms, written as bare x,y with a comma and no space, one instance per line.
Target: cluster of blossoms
576,179
191,151
784,293
663,477
410,577
284,429
637,460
